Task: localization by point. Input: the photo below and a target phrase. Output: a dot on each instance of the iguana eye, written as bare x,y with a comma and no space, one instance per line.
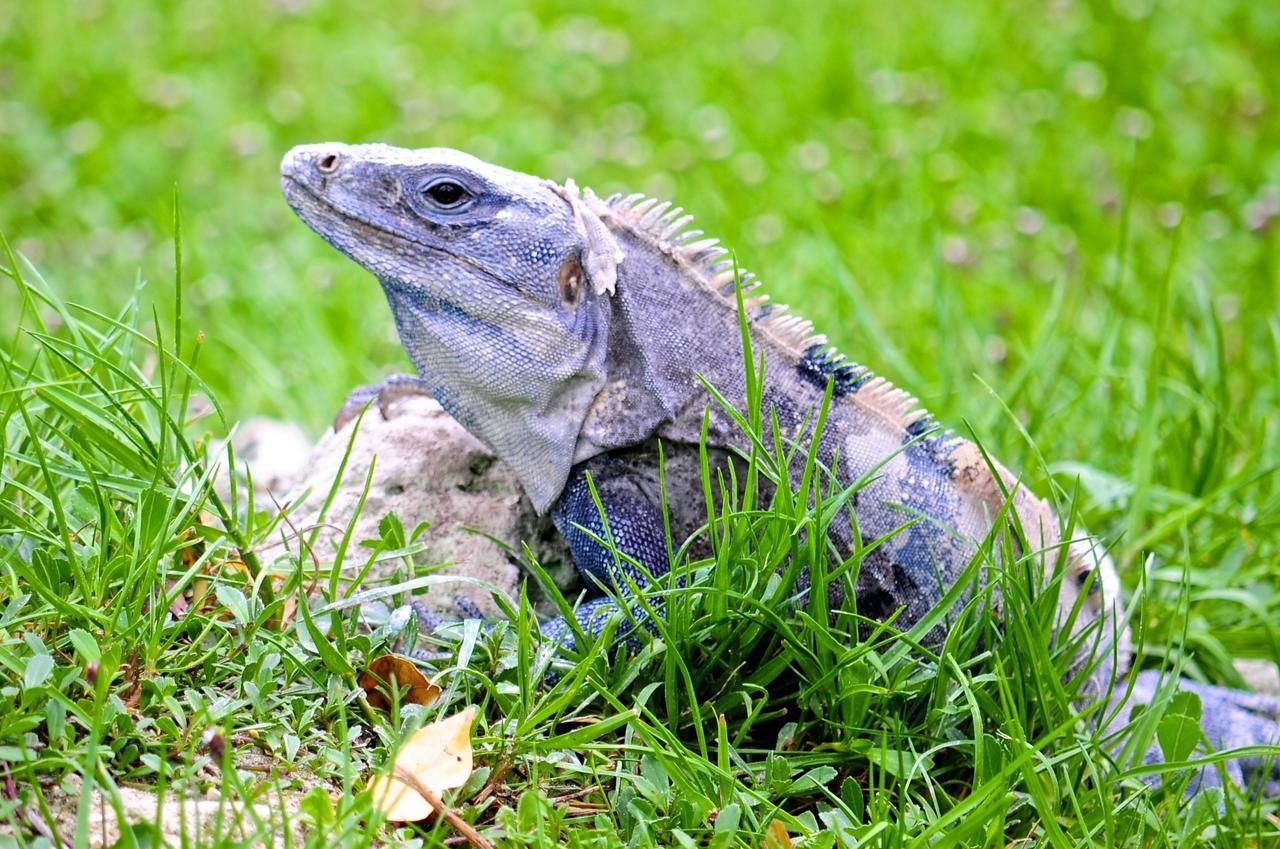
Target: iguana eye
446,194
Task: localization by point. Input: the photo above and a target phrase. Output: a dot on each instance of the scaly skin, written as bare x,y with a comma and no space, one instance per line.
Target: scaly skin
570,334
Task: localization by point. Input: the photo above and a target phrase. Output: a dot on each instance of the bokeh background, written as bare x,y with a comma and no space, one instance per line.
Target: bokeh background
942,172
957,193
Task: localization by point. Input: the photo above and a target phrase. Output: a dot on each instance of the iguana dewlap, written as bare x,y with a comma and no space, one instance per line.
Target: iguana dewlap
571,334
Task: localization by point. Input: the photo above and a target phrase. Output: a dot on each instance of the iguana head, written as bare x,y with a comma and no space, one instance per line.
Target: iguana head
499,283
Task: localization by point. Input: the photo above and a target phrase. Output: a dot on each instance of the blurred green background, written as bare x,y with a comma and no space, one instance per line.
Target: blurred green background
1007,190
1057,222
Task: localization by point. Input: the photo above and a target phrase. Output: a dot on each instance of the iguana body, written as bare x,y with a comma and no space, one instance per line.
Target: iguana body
572,334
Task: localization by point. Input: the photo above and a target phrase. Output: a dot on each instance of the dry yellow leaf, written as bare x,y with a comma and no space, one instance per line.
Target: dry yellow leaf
393,670
776,836
438,756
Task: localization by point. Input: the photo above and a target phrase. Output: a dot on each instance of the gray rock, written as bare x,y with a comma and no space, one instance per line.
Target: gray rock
427,468
1260,676
277,452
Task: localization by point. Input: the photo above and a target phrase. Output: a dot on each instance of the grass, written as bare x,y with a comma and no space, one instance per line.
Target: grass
1053,223
746,711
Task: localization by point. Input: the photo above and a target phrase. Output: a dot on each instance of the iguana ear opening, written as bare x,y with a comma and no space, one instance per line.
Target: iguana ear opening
601,255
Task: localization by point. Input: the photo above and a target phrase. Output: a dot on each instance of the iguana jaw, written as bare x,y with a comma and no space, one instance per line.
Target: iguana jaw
366,242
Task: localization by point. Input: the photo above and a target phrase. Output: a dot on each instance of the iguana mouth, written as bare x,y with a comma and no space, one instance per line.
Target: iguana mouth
293,187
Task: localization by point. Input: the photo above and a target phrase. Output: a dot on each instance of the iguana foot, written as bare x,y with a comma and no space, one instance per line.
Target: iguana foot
386,393
429,620
1230,719
593,615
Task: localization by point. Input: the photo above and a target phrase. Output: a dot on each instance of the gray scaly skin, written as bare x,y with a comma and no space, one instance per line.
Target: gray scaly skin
570,334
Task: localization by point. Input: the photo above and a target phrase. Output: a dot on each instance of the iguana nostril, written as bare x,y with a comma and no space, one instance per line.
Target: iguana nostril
328,163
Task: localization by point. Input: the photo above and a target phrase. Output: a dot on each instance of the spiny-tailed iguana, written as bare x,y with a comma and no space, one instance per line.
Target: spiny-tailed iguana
571,334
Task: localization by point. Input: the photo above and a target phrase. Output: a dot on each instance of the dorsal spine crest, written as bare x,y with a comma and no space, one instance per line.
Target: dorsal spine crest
663,225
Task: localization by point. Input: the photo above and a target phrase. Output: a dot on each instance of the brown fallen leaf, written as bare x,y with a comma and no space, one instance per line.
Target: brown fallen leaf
583,809
131,694
776,836
392,673
203,599
289,610
192,544
437,757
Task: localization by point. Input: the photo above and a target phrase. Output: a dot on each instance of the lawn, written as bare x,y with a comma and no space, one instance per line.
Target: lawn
1055,223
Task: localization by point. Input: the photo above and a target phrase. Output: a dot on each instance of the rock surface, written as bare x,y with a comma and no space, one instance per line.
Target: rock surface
426,468
1261,676
277,452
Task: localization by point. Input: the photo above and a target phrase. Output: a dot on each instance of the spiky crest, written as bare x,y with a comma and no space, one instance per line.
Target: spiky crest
663,226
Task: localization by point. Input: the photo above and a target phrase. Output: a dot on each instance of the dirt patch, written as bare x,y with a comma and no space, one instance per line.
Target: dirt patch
182,820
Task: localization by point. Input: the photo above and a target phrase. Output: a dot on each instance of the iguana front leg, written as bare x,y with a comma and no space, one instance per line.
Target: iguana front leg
628,491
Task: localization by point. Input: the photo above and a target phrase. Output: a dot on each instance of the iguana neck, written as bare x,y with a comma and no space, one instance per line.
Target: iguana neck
668,333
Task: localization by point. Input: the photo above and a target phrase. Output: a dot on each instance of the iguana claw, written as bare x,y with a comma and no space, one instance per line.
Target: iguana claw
386,393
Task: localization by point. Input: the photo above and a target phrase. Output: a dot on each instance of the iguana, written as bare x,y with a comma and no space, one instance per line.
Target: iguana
571,334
